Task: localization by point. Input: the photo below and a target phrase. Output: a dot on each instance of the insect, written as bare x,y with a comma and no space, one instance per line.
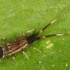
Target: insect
20,44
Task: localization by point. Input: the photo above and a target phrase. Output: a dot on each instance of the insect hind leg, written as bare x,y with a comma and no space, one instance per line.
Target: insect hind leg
25,55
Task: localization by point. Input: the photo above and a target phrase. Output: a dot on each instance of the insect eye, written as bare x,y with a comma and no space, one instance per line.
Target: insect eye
1,52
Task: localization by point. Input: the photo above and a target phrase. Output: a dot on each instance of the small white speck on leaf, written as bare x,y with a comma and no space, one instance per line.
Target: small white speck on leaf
66,64
40,62
49,44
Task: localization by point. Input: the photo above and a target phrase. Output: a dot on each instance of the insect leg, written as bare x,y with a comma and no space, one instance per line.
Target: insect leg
14,56
25,55
4,39
52,21
28,32
18,36
35,49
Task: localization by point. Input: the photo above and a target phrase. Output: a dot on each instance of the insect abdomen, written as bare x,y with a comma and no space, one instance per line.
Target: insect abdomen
13,47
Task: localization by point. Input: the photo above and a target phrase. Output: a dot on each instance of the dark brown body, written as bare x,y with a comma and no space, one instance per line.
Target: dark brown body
14,47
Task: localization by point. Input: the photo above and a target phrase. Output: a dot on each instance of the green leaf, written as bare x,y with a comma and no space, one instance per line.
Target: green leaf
19,16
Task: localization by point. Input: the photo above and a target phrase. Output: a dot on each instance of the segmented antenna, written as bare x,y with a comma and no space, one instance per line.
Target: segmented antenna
53,21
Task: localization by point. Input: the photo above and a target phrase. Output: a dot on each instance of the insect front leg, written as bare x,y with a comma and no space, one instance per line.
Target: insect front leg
28,32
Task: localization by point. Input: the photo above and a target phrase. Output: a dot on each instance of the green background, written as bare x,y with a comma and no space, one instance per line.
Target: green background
20,16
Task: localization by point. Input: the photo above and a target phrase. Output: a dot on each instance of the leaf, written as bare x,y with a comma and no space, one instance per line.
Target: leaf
20,16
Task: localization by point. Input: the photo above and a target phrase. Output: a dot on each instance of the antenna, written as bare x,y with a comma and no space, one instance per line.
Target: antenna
53,21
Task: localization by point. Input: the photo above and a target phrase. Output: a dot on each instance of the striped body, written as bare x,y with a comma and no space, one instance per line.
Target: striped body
14,47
